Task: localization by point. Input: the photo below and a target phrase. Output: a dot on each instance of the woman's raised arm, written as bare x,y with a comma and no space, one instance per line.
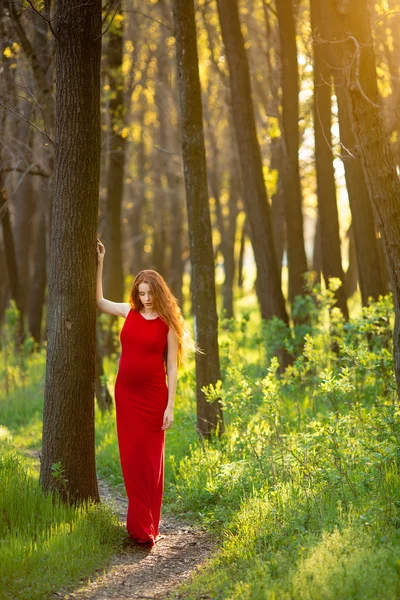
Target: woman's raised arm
119,309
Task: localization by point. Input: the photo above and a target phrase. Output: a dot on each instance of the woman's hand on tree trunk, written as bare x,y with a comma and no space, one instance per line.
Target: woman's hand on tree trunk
100,251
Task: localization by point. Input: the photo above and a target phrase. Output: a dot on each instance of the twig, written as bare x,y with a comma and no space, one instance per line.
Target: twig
112,19
21,116
146,16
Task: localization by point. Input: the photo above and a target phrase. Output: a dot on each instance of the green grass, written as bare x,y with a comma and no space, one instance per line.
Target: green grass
45,544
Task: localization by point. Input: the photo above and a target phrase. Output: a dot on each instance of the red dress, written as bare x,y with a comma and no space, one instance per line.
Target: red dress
141,397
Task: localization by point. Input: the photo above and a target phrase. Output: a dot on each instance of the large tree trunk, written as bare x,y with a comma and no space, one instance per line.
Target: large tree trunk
297,261
376,157
68,420
209,415
253,185
326,186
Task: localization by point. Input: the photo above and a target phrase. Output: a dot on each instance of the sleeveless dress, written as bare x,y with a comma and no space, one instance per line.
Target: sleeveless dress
141,397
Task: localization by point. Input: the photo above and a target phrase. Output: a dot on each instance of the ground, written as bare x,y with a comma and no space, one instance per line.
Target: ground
141,572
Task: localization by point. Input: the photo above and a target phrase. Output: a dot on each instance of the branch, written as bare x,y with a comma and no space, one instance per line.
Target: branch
21,116
138,12
112,19
36,12
30,170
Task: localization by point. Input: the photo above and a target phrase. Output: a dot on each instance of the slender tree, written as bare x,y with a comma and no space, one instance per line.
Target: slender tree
326,186
68,420
290,146
113,274
254,192
209,415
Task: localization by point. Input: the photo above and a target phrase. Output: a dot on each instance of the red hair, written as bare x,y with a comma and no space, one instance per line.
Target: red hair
165,303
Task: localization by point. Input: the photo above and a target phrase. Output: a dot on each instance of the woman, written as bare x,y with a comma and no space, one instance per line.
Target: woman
151,347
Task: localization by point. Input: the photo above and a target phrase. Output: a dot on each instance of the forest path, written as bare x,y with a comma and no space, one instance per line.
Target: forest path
142,572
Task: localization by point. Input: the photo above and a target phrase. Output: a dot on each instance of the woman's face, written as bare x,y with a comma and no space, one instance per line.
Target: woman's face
145,295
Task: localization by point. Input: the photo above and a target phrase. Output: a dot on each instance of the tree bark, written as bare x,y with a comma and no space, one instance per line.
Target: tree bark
23,204
209,415
113,272
113,275
297,261
376,157
254,192
372,277
243,235
278,202
68,420
38,284
326,186
230,235
351,277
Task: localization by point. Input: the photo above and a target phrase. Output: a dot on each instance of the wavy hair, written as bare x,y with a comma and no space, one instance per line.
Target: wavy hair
165,303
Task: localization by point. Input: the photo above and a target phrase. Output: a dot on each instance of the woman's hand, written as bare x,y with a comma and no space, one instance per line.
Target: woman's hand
100,251
168,418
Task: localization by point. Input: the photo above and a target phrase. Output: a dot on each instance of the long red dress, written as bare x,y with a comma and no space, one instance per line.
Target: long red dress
141,397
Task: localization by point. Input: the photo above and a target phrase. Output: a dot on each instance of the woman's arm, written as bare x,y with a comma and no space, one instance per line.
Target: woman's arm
119,309
172,372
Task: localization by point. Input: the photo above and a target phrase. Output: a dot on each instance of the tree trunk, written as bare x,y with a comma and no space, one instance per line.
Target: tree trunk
68,420
351,277
376,157
114,278
254,192
8,238
297,261
278,202
326,186
103,396
3,282
23,204
139,200
243,235
230,236
38,285
317,254
209,415
371,276
113,273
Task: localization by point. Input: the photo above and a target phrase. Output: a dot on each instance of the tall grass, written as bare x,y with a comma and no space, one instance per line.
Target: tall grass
46,544
303,488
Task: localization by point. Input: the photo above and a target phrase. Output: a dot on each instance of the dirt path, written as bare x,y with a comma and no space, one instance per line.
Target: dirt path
151,573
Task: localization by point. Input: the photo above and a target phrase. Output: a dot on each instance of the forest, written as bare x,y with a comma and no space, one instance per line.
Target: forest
248,151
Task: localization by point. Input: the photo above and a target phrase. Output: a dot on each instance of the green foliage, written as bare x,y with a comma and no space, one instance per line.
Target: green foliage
303,486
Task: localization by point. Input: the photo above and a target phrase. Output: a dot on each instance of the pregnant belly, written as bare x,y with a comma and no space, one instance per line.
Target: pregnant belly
149,372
